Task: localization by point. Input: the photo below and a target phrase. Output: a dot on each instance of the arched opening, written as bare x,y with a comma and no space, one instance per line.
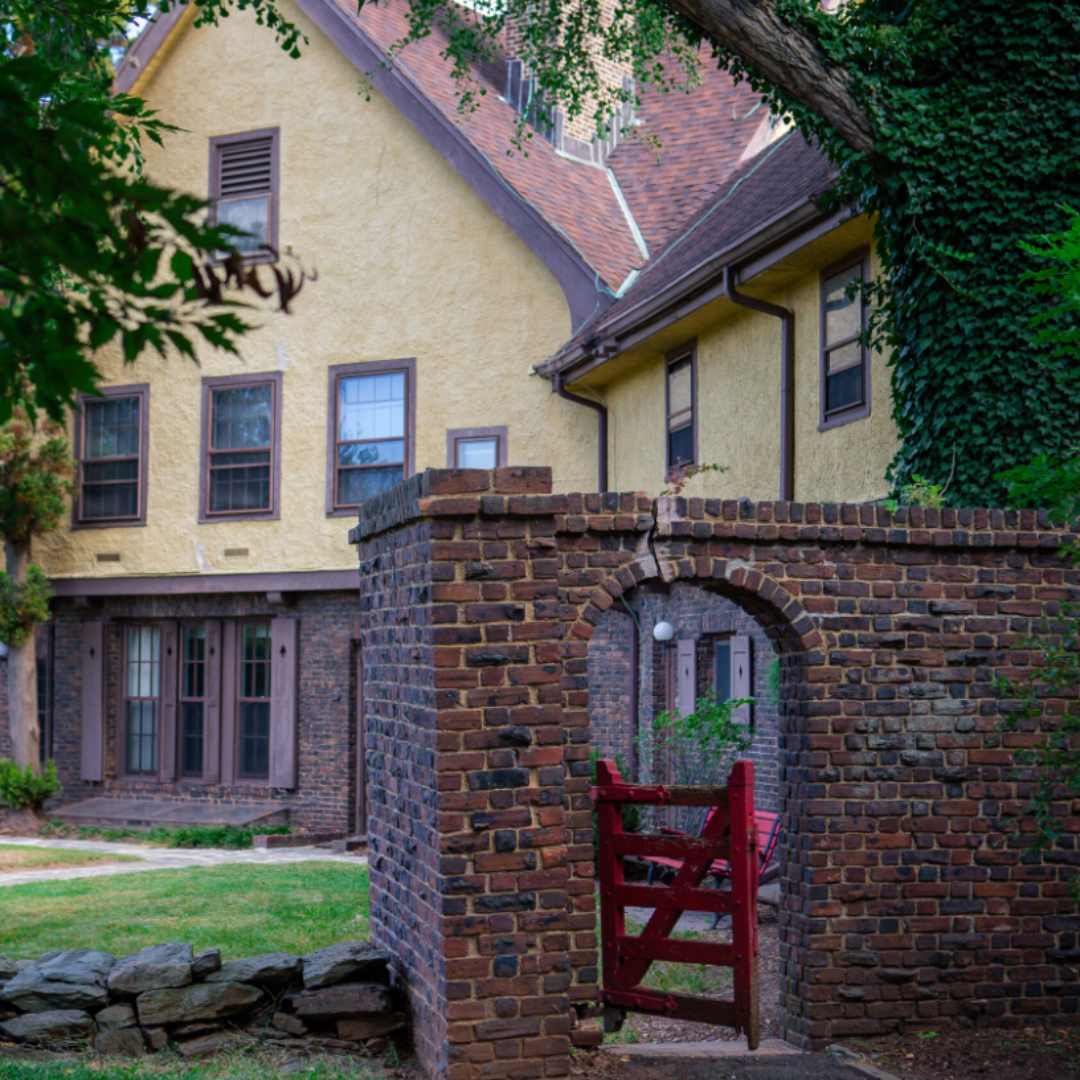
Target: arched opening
734,642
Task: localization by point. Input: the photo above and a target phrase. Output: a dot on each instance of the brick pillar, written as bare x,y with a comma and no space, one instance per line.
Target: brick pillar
474,763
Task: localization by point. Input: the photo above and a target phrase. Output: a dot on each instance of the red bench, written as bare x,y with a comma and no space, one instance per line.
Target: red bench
768,833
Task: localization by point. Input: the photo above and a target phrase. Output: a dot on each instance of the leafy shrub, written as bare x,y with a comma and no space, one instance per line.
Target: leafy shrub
23,788
188,836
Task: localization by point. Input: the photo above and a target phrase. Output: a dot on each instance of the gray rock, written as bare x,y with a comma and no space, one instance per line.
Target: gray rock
208,1045
274,969
156,1038
122,1042
347,960
8,969
201,1001
189,1031
343,1001
22,965
115,1017
71,979
205,963
157,967
57,1026
289,1025
370,1027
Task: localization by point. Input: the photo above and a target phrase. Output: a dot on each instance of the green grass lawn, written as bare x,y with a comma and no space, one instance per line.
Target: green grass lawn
15,857
264,1065
244,910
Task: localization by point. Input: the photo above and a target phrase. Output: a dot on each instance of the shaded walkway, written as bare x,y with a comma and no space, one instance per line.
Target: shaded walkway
160,858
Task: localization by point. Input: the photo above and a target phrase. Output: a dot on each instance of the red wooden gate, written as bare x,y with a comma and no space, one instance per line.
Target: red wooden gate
728,842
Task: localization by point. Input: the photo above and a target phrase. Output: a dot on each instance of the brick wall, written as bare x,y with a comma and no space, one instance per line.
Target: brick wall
325,793
896,911
612,716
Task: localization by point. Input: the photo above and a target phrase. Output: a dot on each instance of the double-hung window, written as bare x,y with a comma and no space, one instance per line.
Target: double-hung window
242,438
111,439
244,190
371,431
845,361
681,398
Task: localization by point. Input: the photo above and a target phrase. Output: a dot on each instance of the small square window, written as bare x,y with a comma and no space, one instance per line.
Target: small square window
477,448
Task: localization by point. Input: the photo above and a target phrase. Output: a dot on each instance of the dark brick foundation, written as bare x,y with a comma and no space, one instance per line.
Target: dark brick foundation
325,794
481,594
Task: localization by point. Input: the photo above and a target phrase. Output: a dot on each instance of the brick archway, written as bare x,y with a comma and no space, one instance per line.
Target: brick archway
479,592
799,642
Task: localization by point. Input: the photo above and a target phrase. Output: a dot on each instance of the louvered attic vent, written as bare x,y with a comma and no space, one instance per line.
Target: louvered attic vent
243,187
246,167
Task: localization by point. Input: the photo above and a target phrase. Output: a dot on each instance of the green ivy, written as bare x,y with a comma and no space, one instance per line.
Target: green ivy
975,106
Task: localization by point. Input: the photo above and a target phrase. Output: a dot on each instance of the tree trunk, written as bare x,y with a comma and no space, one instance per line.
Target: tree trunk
785,55
22,677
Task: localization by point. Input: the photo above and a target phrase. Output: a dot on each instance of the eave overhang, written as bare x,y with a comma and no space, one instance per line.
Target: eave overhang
769,244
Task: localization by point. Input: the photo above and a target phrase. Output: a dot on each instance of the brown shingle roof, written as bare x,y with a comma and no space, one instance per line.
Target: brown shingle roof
783,175
702,135
576,198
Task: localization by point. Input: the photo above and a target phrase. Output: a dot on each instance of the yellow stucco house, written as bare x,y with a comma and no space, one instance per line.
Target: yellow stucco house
595,306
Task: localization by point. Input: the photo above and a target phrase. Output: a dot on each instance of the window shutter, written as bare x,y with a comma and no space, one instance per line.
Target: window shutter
742,677
212,729
93,702
685,677
284,639
228,701
168,691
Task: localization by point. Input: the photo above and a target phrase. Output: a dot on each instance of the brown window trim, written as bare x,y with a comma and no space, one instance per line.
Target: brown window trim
126,772
852,412
371,367
672,472
236,780
456,435
142,391
218,383
214,186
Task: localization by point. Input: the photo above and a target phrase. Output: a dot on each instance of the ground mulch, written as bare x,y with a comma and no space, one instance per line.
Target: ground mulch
985,1054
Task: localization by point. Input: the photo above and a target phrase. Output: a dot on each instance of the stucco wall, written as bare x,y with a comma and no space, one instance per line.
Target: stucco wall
739,410
411,263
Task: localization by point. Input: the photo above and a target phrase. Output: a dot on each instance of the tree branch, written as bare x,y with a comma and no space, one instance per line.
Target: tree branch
784,54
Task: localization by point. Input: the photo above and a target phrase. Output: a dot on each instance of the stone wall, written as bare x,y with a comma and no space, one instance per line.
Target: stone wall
166,996
896,910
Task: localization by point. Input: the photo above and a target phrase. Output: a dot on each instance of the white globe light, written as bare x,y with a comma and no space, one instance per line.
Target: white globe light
663,631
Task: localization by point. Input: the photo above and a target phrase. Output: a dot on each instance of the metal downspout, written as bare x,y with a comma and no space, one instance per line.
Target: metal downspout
601,412
787,379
